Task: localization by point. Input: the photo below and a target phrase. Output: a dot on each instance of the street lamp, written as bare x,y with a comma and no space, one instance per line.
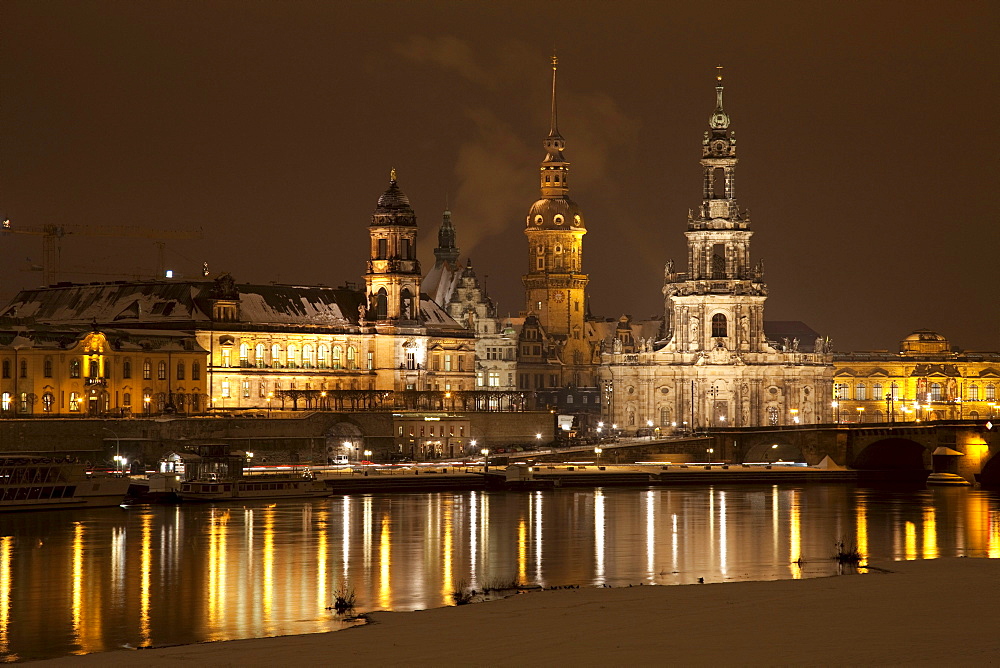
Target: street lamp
836,411
486,459
322,403
368,455
270,396
861,414
145,403
249,463
597,452
472,445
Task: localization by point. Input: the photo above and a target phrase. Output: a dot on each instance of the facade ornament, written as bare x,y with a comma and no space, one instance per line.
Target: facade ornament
695,327
795,345
362,311
785,344
617,345
818,345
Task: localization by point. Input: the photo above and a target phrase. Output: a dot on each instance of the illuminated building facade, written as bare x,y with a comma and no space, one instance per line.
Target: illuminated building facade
555,346
88,371
926,380
715,364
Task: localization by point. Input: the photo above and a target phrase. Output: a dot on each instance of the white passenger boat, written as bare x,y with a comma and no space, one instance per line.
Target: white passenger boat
278,486
41,482
218,475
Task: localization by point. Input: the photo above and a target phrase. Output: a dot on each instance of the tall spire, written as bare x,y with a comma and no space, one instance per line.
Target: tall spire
446,250
554,123
719,119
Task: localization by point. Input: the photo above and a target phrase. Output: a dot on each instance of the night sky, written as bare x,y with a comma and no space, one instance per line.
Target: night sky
866,133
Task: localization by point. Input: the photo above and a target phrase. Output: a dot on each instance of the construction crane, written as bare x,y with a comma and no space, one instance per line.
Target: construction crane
52,238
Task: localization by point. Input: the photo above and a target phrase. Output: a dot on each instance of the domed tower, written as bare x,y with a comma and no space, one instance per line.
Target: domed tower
719,302
393,277
555,283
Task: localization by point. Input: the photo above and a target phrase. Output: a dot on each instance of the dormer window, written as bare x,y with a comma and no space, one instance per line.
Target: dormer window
558,219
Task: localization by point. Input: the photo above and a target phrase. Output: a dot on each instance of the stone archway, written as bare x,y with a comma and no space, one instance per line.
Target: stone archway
892,454
990,475
337,438
771,451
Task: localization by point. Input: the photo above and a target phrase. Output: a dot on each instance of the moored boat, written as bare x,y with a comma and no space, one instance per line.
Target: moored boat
218,475
43,482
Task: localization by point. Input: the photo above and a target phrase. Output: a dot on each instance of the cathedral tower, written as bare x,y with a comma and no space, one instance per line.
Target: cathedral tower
555,283
719,302
393,277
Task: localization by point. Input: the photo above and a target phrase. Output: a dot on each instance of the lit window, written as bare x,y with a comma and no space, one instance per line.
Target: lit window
225,389
74,369
973,393
860,392
323,354
351,361
276,356
161,371
291,356
307,356
195,371
991,392
877,392
47,401
226,357
5,401
258,355
246,389
74,401
371,360
447,362
494,379
935,391
147,370
244,355
337,353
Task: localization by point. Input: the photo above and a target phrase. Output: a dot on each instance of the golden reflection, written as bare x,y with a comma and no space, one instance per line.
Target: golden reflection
599,534
911,541
537,510
447,584
723,538
930,534
267,563
673,541
119,555
345,548
794,534
993,535
484,533
473,539
77,596
366,529
861,520
650,533
322,538
217,527
775,512
974,526
6,550
146,567
522,550
385,559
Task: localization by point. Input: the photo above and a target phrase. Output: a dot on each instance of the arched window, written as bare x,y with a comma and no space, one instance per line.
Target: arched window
405,304
719,325
307,356
772,415
127,369
324,353
351,358
935,391
291,356
860,392
74,402
973,392
24,368
161,371
195,371
991,392
127,399
877,391
337,353
258,355
894,390
244,355
147,370
180,371
381,304
275,356
74,369
47,401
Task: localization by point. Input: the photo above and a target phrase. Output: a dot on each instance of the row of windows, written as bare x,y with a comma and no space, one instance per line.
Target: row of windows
506,353
431,429
150,402
524,380
936,392
94,367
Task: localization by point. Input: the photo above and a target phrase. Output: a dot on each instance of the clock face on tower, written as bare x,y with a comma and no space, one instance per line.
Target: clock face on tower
720,146
558,297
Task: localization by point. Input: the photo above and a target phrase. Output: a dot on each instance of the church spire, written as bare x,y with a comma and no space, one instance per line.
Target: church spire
555,168
720,119
446,250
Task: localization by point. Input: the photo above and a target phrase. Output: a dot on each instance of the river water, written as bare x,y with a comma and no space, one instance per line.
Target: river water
85,581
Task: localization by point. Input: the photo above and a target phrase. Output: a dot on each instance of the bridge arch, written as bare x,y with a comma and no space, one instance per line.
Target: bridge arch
990,474
340,433
892,454
773,450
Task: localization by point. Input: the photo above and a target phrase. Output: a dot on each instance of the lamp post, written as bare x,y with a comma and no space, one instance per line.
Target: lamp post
836,411
249,462
597,453
861,414
486,460
145,404
368,454
322,403
270,396
472,446
888,406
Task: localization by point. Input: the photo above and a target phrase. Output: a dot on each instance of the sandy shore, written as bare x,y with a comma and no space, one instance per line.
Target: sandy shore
940,612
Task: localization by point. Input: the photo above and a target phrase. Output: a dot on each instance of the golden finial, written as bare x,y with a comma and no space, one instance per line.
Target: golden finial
392,174
718,75
555,61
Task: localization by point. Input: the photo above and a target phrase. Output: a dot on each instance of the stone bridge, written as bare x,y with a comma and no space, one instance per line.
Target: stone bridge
902,447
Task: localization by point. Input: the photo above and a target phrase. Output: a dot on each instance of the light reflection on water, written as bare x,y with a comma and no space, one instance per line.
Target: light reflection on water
86,581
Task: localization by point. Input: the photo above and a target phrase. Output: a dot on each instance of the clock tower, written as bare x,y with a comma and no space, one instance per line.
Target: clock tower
555,283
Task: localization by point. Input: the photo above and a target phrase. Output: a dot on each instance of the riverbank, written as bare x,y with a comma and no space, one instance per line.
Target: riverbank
934,612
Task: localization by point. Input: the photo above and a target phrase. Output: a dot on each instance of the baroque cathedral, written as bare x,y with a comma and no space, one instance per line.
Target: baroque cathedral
435,340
